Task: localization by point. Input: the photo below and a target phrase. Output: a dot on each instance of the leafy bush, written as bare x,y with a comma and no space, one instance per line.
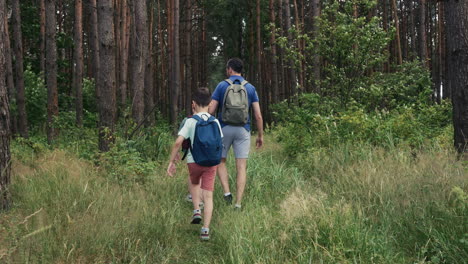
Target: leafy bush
36,97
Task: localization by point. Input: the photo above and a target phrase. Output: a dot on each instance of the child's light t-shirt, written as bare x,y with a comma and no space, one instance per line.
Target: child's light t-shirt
188,131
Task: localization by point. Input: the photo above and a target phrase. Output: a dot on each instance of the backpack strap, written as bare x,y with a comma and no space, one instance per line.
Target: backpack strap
229,81
244,82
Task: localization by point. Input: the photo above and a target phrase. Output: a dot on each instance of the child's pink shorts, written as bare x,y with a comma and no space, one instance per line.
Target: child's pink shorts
206,174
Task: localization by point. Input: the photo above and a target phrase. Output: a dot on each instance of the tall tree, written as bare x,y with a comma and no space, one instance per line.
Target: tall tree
292,85
5,157
78,62
42,15
149,72
456,15
94,41
106,74
139,57
175,65
422,33
316,58
19,69
397,32
274,67
51,70
124,44
9,76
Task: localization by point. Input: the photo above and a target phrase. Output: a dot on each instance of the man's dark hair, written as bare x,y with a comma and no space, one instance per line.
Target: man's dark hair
202,96
235,64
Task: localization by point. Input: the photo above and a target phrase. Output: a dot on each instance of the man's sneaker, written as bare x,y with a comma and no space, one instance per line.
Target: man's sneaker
189,198
196,218
228,198
205,234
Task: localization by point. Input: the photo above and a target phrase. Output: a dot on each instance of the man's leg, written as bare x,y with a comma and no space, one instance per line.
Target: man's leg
241,166
223,175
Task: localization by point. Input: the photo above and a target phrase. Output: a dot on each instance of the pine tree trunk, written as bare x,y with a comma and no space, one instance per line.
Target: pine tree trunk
106,74
124,42
442,51
456,15
175,76
94,45
42,22
188,59
149,77
78,62
9,77
139,57
292,72
397,29
422,33
5,158
274,67
19,69
259,52
316,57
51,71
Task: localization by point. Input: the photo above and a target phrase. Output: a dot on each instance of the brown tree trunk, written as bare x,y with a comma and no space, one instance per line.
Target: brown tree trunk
316,58
19,69
124,43
149,77
292,72
51,71
175,70
259,52
442,52
456,15
188,59
397,29
78,62
274,67
42,16
94,45
5,158
422,33
139,57
9,77
106,74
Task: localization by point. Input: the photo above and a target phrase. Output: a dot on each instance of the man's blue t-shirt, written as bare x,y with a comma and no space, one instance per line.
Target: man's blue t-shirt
218,95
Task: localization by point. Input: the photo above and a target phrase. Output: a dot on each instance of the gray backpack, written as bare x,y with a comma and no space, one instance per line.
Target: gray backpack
235,109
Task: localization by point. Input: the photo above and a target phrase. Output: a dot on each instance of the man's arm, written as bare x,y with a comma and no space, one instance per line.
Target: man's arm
259,121
171,169
213,107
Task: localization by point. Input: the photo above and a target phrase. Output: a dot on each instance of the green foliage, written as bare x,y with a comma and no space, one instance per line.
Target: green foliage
316,123
36,97
410,84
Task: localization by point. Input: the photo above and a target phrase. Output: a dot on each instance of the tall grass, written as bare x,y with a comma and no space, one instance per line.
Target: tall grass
345,204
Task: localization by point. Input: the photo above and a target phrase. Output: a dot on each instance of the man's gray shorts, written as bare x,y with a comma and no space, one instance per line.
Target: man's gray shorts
239,138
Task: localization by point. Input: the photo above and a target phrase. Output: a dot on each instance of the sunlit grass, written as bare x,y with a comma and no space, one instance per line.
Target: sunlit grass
348,204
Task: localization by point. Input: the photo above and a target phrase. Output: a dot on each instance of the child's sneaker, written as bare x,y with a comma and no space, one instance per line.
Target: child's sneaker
196,218
228,198
205,234
189,198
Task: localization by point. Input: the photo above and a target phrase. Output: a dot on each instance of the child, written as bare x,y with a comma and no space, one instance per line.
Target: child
202,177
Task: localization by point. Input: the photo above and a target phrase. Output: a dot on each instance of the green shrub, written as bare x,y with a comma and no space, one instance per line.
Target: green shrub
36,97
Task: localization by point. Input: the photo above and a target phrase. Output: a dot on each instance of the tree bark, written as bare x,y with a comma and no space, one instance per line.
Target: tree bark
422,33
139,57
19,69
397,28
78,62
442,52
124,43
274,67
106,74
42,16
175,70
259,51
456,15
94,45
188,59
291,67
9,77
51,70
149,77
316,57
5,158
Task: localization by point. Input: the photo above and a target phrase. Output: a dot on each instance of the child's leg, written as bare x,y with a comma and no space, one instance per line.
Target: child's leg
208,212
195,192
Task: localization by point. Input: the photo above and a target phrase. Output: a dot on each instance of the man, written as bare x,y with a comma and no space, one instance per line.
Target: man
236,135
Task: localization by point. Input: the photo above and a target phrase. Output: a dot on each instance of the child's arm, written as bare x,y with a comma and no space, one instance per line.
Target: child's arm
171,169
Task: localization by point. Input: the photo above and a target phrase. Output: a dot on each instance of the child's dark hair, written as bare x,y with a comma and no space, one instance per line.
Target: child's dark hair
202,96
236,64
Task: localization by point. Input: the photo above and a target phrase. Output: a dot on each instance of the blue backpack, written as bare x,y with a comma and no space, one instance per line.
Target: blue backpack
207,144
